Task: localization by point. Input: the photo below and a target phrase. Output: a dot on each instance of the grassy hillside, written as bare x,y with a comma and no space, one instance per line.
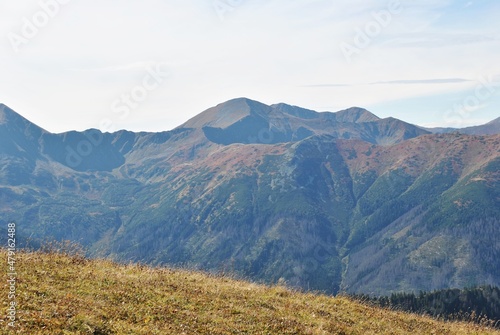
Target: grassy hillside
60,294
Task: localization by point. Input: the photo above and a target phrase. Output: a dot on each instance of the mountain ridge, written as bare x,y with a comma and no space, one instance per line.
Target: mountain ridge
277,192
349,115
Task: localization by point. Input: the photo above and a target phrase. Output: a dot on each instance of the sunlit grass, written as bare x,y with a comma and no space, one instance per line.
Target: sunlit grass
68,294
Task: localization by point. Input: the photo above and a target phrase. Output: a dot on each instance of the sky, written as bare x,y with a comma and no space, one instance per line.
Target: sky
151,65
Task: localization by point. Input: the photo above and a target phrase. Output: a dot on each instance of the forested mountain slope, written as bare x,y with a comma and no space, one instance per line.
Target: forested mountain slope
326,201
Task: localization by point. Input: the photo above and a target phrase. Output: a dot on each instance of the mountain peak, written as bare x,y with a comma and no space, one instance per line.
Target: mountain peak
355,114
226,113
19,137
8,117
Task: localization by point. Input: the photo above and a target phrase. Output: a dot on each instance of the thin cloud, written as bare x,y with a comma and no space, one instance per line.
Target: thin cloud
400,82
423,81
331,85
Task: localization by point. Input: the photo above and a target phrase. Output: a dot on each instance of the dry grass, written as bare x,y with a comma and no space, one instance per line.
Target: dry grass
67,294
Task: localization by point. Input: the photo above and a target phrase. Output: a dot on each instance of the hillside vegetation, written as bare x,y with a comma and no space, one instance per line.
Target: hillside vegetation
64,294
478,304
334,202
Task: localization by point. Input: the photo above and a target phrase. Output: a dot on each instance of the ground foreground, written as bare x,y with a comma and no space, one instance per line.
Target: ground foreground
59,294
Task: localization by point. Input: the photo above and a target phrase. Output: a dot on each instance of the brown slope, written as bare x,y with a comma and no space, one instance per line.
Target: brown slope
416,155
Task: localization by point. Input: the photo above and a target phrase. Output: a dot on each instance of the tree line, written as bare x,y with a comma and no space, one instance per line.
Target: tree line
478,304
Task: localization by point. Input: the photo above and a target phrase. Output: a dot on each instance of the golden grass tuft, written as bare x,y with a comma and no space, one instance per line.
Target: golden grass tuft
65,294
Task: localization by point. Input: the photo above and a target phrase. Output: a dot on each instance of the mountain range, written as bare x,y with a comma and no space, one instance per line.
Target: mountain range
333,202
